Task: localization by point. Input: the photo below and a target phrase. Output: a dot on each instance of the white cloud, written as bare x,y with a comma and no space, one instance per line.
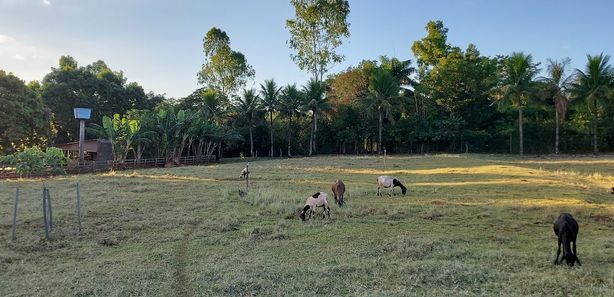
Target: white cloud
19,57
5,39
47,2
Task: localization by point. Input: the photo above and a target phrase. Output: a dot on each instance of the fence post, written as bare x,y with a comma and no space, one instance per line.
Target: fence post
247,178
45,213
78,207
13,236
50,209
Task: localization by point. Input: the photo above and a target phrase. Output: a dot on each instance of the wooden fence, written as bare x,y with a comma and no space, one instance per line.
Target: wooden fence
6,171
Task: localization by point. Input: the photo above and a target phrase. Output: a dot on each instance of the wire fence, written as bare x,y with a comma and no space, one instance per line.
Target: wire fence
8,171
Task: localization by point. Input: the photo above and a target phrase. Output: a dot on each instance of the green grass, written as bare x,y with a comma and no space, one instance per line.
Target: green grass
470,225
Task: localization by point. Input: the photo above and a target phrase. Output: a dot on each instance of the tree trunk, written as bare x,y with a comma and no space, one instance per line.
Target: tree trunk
251,140
594,128
311,139
379,144
556,138
520,130
139,151
289,135
315,131
271,130
219,150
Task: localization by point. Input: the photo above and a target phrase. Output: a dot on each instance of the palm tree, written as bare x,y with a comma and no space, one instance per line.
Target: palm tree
270,100
290,102
401,70
247,106
557,84
517,85
594,86
383,89
215,104
316,101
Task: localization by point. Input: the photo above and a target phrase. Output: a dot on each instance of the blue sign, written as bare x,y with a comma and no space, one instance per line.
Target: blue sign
82,113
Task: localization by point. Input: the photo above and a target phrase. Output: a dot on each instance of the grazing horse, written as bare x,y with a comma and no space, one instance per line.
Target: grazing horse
244,173
566,229
319,199
338,191
389,182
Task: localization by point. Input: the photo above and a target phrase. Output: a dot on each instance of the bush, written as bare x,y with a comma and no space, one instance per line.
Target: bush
34,160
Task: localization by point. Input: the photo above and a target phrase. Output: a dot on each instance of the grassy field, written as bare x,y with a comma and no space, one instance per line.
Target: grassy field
470,225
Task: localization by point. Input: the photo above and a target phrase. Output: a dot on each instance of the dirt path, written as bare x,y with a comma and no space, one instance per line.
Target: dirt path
182,283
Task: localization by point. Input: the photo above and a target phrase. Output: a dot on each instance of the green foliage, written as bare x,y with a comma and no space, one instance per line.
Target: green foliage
247,106
595,86
434,46
224,70
517,86
315,101
270,103
95,86
24,119
34,161
122,131
316,32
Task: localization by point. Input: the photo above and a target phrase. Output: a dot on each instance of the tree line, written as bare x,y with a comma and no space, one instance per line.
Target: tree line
450,100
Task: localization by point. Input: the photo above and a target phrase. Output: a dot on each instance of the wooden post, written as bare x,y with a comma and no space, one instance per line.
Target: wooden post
50,209
247,178
81,139
13,236
45,213
78,207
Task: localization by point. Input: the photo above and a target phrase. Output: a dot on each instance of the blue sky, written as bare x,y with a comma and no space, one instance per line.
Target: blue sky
159,43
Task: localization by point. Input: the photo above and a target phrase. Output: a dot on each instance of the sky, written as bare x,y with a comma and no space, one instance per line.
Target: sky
158,44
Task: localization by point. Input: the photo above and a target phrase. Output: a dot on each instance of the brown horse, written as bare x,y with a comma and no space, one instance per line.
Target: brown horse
339,191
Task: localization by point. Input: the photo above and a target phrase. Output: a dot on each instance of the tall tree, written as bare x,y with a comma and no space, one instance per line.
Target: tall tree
316,32
246,106
270,101
557,84
383,89
517,85
224,70
315,101
434,46
351,84
400,69
95,86
594,86
291,101
24,119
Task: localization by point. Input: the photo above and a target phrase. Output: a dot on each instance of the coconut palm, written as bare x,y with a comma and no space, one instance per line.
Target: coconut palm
315,101
557,83
215,110
270,101
246,106
401,70
594,86
290,101
383,90
517,85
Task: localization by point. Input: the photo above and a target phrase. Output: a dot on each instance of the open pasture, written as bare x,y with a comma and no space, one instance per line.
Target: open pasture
469,225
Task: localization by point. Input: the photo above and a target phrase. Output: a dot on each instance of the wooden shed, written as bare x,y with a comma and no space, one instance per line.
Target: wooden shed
94,150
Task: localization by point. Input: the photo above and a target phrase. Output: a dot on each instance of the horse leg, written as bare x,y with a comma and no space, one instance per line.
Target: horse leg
558,252
576,253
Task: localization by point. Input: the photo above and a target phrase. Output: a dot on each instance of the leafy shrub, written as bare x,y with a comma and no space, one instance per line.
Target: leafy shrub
34,160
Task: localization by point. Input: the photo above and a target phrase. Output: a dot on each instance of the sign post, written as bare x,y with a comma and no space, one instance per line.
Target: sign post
82,114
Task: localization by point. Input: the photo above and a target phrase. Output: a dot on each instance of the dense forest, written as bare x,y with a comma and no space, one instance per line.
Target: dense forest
450,99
